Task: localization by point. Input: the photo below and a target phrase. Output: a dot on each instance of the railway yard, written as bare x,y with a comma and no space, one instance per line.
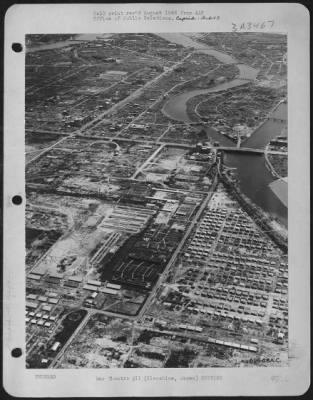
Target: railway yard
137,255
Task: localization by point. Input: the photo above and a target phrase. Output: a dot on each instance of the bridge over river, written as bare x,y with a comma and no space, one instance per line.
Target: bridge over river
227,149
241,150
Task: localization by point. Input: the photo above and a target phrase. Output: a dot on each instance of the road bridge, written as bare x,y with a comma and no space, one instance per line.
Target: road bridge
246,150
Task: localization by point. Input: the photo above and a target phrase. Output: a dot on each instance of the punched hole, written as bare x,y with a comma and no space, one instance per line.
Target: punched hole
17,352
17,200
17,47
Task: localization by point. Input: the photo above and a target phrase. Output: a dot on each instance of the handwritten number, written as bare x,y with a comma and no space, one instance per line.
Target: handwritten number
249,25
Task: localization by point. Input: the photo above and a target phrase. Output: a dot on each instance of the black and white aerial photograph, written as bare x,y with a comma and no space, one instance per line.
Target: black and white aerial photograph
156,200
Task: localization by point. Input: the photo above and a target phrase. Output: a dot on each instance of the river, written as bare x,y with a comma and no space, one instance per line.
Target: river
176,107
252,172
66,43
270,129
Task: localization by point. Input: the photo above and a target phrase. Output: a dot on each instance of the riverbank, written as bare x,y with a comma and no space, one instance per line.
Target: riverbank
252,173
268,225
269,165
223,139
264,121
280,189
71,41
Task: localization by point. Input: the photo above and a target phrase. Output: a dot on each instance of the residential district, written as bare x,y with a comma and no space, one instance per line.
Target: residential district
142,248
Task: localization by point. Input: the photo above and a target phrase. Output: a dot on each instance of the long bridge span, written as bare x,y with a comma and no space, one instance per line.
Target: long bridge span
227,149
246,150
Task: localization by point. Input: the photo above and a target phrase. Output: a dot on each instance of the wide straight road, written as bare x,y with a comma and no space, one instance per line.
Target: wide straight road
131,97
97,120
143,166
90,312
179,247
59,356
47,149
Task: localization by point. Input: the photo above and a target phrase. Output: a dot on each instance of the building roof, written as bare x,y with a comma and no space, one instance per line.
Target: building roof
90,287
94,282
75,278
32,296
34,277
31,304
113,286
108,291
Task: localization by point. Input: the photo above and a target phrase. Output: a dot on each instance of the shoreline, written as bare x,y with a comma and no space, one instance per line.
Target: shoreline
269,165
266,119
280,188
266,222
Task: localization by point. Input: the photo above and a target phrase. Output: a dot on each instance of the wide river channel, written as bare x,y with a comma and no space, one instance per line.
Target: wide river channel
252,173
